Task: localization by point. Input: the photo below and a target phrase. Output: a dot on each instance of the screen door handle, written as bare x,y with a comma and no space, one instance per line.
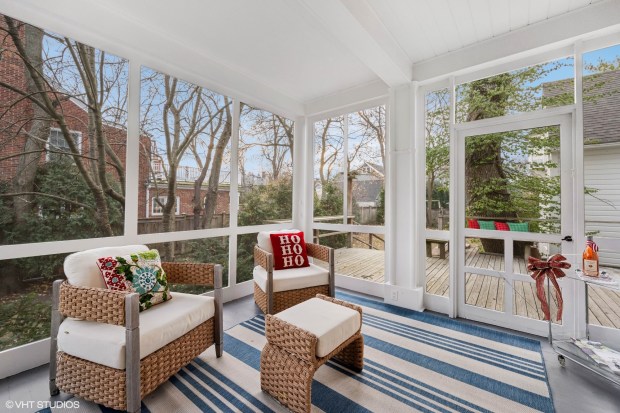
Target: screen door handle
568,238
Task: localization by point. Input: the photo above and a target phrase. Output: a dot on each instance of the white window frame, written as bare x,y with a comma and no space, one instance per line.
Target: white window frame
77,135
163,199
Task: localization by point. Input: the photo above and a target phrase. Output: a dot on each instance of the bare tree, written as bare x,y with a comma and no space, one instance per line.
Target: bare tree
437,128
192,126
61,74
370,126
272,134
329,135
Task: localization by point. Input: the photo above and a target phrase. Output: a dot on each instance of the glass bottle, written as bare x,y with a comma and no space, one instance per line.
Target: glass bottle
590,258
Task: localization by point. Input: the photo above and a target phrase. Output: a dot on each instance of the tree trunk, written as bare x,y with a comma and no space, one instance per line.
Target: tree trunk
197,201
483,163
168,211
38,133
429,201
214,178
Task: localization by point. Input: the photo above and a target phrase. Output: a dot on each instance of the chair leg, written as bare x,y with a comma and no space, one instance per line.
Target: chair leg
286,378
132,353
332,273
353,355
138,410
56,320
219,313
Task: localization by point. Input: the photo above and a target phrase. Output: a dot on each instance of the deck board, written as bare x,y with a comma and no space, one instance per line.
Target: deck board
481,290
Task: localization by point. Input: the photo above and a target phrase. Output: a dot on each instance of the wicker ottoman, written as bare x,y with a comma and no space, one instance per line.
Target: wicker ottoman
302,338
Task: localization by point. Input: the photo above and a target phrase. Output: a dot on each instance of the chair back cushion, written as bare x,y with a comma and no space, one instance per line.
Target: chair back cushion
486,224
81,267
264,238
473,223
289,251
501,226
519,226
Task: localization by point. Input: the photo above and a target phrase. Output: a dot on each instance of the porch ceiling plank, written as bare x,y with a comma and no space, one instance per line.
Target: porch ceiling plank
558,30
462,14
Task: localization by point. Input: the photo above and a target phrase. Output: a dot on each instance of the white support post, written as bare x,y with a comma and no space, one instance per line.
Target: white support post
234,194
456,254
345,170
301,179
419,189
132,179
308,145
402,289
579,229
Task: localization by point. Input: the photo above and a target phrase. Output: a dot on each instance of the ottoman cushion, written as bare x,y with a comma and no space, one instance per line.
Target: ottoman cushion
331,323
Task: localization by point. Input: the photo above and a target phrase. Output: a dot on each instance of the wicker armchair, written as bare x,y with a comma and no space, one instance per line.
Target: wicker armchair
275,291
100,312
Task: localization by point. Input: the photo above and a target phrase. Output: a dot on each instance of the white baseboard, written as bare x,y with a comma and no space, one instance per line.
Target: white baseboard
359,285
26,357
238,291
412,299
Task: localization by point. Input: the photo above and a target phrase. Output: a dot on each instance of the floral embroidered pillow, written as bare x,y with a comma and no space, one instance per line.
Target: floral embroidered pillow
141,273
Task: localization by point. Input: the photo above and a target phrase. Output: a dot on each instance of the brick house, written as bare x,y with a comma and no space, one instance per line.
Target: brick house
12,141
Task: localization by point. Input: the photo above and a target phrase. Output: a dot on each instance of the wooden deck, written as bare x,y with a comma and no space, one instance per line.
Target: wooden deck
481,290
361,263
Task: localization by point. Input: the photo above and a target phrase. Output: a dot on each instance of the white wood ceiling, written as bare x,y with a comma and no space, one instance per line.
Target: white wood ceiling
431,28
292,52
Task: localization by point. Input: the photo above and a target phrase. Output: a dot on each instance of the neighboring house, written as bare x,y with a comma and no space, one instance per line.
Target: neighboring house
365,184
601,116
155,193
76,115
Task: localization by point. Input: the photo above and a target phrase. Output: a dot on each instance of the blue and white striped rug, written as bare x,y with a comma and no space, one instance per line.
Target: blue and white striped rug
412,362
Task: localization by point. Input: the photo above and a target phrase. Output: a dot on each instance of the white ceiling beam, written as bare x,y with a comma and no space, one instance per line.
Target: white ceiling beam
556,31
357,95
357,27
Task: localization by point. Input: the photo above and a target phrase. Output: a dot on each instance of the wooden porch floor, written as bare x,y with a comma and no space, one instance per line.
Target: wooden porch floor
481,290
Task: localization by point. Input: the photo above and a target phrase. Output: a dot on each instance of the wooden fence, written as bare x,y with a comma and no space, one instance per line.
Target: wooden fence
181,223
366,215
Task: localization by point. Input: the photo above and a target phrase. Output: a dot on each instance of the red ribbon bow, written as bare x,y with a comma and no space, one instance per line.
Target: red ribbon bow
551,269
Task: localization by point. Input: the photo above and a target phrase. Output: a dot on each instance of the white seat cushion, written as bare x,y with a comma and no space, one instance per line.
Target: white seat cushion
81,267
292,278
264,240
160,325
331,323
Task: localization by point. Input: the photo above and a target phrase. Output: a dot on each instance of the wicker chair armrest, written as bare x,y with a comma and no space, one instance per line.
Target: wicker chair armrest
92,304
263,258
296,341
319,252
195,273
340,302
